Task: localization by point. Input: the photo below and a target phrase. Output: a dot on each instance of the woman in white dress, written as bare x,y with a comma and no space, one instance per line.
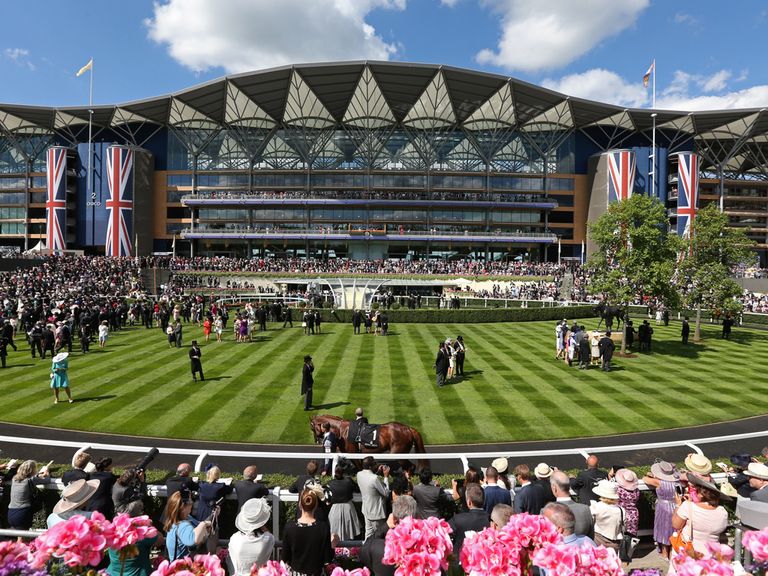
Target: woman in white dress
451,353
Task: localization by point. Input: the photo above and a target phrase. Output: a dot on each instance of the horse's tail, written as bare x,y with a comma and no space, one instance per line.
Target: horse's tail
418,447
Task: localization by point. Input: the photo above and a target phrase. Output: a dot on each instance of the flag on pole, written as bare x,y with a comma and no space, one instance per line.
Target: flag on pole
85,68
647,76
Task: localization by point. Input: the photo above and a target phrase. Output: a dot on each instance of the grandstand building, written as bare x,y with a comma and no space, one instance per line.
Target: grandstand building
358,159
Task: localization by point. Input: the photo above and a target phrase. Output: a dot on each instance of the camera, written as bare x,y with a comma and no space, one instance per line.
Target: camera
147,460
133,481
679,490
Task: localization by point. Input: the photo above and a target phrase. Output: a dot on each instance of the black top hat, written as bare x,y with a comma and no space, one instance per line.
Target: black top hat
307,358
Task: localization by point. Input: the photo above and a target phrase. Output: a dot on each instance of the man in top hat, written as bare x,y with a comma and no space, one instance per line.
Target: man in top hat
606,347
307,381
461,353
73,500
252,544
758,480
194,358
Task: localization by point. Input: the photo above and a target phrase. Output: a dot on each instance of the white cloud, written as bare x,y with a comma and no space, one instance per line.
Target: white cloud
686,92
243,35
684,18
546,34
601,86
19,56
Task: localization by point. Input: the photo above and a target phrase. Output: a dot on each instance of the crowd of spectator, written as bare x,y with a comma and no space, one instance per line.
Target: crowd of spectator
595,506
362,195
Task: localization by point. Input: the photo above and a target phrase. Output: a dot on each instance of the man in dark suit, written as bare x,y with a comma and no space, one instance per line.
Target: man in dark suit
588,479
493,493
249,487
181,481
79,462
357,320
441,365
686,330
606,347
542,473
561,487
287,316
373,550
529,497
474,520
307,381
194,358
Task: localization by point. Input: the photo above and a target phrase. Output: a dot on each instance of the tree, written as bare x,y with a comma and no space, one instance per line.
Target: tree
635,253
704,269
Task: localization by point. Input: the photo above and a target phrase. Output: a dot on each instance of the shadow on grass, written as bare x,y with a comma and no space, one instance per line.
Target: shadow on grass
329,405
18,366
93,398
217,378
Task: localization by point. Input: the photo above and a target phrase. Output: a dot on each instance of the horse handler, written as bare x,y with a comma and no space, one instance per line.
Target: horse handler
307,381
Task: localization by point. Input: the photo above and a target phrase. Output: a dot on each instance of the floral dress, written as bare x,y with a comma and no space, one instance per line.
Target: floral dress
628,501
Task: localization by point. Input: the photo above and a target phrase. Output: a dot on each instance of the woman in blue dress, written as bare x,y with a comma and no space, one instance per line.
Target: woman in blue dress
59,377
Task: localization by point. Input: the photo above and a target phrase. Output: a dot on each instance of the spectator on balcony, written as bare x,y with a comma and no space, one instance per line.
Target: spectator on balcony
561,488
74,501
79,462
529,497
250,486
342,516
307,542
24,495
493,493
475,519
251,546
587,479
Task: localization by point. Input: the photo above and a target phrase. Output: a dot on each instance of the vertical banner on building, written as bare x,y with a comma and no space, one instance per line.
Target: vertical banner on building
120,202
56,199
621,175
687,192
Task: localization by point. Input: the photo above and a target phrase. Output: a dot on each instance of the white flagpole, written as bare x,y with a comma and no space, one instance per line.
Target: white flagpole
558,251
653,142
582,251
89,173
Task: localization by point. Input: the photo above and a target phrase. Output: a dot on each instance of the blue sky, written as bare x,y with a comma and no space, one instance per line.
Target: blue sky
707,57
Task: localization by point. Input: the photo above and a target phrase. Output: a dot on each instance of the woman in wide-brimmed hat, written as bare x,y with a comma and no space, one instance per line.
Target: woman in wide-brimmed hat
252,544
626,481
73,501
665,478
703,521
607,514
59,376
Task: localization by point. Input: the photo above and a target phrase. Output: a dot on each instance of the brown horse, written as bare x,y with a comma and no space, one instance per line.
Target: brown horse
394,437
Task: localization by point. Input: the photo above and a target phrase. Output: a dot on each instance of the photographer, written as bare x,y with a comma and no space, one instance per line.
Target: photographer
375,493
129,490
184,532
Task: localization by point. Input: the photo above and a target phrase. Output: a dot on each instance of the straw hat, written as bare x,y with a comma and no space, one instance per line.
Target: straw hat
757,470
75,495
665,471
696,481
501,465
542,470
59,357
627,479
253,515
607,489
698,464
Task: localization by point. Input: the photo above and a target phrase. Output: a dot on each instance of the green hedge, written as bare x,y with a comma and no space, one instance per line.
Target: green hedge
467,316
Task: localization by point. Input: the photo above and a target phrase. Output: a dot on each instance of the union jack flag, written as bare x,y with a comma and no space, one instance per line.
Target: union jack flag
56,200
687,193
120,202
621,175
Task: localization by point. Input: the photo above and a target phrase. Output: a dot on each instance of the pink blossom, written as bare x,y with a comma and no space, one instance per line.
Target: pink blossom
272,568
566,560
418,547
12,552
338,571
200,565
78,541
757,543
716,561
127,531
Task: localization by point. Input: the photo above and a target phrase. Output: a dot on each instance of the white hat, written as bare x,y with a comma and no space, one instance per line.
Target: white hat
607,489
542,470
501,465
75,495
757,470
253,515
60,356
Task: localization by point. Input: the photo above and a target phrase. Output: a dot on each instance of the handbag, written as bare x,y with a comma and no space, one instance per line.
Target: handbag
676,540
628,542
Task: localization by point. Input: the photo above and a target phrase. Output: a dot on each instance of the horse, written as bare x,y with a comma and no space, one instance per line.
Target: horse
607,313
394,437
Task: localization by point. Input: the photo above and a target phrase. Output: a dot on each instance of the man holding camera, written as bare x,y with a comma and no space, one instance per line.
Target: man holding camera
375,493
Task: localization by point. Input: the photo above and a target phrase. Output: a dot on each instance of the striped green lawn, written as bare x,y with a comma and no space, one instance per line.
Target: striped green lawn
514,390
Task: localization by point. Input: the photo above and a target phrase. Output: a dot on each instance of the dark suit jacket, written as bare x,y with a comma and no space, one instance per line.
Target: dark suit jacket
585,482
529,498
71,475
247,489
176,483
371,554
307,380
476,519
546,486
760,495
441,362
496,495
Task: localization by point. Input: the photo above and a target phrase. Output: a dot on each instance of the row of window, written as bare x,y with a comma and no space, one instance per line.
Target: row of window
437,181
9,213
11,228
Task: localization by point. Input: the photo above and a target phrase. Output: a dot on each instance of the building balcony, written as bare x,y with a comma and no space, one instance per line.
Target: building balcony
441,199
366,235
